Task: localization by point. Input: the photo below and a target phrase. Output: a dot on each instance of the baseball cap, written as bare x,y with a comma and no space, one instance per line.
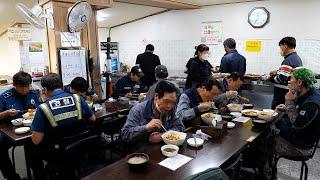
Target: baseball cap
306,75
136,70
161,71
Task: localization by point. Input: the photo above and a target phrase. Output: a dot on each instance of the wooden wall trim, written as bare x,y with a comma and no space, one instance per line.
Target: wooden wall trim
167,4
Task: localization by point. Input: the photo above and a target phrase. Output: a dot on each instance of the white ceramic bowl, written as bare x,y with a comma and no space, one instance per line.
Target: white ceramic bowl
17,122
191,142
231,125
267,116
235,107
27,122
170,154
209,117
179,142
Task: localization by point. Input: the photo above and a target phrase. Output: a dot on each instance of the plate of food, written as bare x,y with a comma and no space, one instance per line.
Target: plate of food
250,112
267,115
235,107
209,117
253,75
17,122
174,137
30,114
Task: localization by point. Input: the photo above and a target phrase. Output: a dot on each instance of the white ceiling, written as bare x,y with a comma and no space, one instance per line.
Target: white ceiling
121,12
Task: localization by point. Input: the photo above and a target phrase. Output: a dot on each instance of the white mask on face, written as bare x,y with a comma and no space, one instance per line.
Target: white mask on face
205,56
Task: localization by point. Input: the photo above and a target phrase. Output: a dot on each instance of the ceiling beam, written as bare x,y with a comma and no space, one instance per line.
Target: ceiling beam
167,4
97,4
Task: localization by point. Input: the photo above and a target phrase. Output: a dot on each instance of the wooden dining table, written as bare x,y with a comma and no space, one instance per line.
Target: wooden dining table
213,153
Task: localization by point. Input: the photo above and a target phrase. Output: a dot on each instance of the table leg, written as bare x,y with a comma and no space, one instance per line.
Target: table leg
13,159
27,163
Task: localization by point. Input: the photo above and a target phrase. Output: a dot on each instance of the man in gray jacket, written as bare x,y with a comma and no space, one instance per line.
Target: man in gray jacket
145,120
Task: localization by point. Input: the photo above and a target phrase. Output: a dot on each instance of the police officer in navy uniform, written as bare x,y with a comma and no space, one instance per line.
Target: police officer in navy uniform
13,103
61,109
130,83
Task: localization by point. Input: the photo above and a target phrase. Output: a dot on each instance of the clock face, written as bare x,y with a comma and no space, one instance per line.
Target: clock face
258,17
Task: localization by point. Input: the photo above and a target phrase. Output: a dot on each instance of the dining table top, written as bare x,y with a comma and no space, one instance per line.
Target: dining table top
213,153
8,128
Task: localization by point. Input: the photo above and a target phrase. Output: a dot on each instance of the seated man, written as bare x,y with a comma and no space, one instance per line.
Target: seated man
129,83
81,87
12,104
231,83
298,129
145,119
60,110
197,100
161,73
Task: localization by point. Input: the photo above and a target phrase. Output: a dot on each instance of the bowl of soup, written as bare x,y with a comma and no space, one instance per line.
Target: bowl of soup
169,150
137,161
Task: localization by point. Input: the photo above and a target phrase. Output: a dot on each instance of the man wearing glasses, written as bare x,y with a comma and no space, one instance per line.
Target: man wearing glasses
147,120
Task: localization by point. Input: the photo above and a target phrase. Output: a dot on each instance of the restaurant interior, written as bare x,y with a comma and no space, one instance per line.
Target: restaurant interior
159,89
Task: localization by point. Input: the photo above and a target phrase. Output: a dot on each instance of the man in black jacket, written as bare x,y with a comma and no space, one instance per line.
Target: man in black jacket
148,62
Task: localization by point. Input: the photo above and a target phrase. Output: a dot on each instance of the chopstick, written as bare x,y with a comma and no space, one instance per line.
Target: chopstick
195,141
163,128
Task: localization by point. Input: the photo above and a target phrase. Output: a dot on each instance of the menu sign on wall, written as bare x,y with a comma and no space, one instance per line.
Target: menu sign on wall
211,32
19,34
72,64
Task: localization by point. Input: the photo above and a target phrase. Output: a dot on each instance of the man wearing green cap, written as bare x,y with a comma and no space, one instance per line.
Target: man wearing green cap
299,129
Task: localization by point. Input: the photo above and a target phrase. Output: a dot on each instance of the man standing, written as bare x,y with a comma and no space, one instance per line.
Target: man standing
59,111
148,62
232,61
145,120
12,104
280,77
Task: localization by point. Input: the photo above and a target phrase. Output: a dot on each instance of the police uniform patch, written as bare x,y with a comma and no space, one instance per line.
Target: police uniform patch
61,102
136,86
8,94
302,113
32,102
